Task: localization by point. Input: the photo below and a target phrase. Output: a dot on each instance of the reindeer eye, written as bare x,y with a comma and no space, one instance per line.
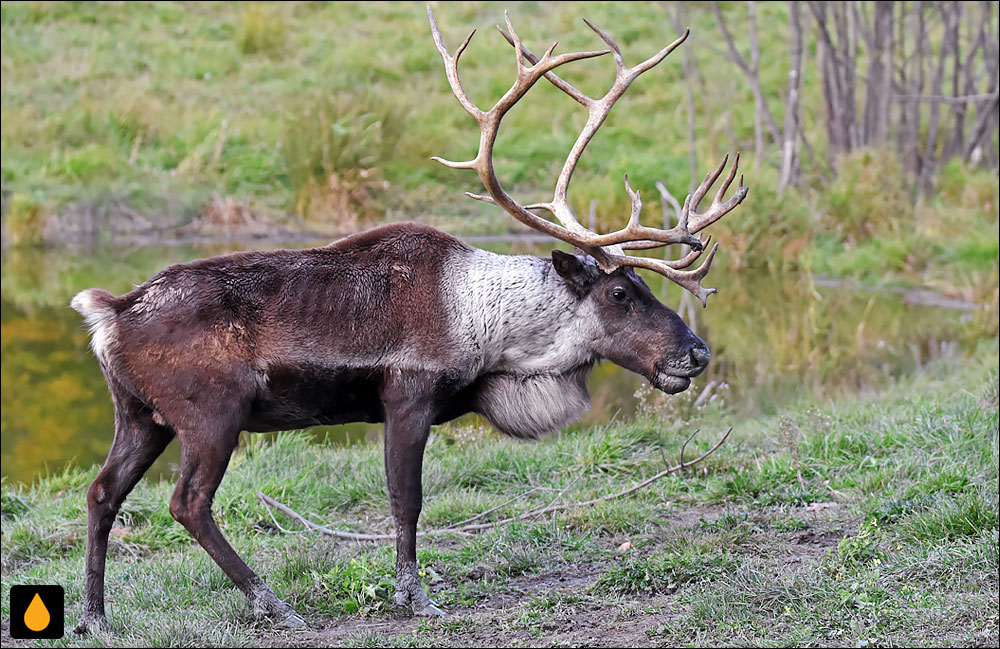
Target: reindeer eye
618,293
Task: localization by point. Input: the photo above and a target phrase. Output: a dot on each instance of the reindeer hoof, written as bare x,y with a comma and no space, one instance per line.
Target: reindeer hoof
292,621
401,598
266,605
89,623
418,603
430,609
283,616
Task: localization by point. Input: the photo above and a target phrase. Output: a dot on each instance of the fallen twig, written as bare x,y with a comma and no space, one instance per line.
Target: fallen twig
350,536
288,511
466,527
276,523
600,499
582,473
493,509
690,437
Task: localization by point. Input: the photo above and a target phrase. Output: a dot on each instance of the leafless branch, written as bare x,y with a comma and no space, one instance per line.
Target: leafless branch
459,528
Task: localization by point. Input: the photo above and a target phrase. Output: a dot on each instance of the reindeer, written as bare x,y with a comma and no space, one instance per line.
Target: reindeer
402,324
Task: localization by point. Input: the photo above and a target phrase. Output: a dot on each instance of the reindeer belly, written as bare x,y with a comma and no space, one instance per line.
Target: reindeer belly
528,406
298,397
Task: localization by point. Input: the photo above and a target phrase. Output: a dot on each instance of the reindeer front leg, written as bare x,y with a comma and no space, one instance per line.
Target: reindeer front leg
407,425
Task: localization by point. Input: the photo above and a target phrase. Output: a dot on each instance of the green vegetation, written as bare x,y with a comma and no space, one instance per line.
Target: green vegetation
324,116
862,521
856,503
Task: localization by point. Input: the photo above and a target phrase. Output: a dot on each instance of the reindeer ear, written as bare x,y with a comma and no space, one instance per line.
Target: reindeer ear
578,274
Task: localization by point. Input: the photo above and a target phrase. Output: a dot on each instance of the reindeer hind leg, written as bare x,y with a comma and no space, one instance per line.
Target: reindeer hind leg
137,443
205,454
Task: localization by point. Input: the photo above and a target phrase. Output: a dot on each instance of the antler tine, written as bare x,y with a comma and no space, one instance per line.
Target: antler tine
465,43
689,258
556,80
718,208
489,123
598,110
527,76
707,183
683,262
518,47
607,249
662,54
616,51
631,236
636,200
729,180
451,67
688,279
682,218
518,44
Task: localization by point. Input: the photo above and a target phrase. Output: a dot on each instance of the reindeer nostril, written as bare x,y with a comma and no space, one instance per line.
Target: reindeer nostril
700,356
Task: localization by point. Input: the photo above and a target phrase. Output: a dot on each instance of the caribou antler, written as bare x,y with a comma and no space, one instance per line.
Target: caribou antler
607,249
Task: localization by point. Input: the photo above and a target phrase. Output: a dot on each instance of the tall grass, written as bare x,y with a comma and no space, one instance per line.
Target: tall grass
325,116
336,151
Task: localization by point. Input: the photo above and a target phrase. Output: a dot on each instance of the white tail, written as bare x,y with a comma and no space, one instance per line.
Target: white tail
94,305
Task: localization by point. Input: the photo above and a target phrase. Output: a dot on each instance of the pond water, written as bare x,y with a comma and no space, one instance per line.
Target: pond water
774,336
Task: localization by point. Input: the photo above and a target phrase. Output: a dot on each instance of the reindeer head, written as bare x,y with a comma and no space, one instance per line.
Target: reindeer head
639,332
632,328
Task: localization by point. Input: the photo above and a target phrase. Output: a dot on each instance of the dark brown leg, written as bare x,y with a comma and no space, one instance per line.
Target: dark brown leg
137,443
406,429
204,459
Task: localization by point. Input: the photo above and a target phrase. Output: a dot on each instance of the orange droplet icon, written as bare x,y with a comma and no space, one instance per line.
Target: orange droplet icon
36,617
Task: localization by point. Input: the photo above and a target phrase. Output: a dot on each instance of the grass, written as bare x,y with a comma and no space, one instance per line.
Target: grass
287,112
868,520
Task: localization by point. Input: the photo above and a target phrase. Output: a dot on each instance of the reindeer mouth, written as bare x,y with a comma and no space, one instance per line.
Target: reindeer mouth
669,383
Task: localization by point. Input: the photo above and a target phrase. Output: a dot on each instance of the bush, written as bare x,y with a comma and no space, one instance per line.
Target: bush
261,30
24,221
335,151
868,197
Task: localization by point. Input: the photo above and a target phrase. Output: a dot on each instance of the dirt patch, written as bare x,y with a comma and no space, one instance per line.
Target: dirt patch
818,537
5,638
561,606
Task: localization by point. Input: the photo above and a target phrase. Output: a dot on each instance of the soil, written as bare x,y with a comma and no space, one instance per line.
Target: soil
592,623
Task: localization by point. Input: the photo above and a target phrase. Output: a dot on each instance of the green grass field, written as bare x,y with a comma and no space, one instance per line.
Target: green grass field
867,520
324,116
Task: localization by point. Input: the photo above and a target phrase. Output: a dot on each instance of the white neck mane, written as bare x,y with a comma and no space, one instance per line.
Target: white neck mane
514,314
526,335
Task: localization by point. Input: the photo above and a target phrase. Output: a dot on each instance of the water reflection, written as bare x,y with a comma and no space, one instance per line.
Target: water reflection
773,335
